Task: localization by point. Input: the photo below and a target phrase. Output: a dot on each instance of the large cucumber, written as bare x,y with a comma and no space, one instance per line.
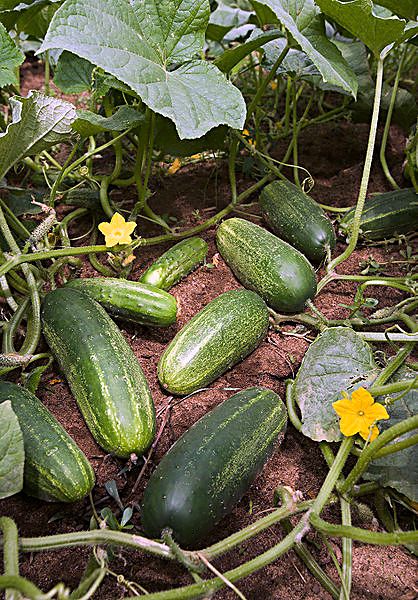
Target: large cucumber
214,340
55,467
130,300
176,263
267,265
385,215
103,372
296,218
212,465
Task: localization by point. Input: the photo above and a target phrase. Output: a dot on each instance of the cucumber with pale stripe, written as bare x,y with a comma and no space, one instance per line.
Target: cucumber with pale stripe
213,341
130,300
208,470
56,470
104,374
297,219
176,263
282,276
385,215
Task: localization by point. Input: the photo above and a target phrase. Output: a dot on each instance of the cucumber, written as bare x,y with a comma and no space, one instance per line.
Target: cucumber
208,470
278,272
176,263
130,300
297,219
385,215
214,340
103,372
56,470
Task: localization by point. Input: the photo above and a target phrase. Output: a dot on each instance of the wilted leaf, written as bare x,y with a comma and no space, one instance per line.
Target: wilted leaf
152,46
10,59
339,360
89,123
12,454
38,122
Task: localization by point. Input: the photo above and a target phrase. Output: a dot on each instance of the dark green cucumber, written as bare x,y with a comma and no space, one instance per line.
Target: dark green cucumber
176,263
267,265
130,300
103,372
213,341
212,465
385,215
56,469
297,219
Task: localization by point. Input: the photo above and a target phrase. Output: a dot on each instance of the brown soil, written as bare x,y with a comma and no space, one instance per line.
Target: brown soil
334,155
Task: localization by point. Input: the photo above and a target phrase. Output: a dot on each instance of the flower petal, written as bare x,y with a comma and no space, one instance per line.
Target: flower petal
376,412
117,220
105,228
362,398
351,424
344,407
129,227
124,239
373,435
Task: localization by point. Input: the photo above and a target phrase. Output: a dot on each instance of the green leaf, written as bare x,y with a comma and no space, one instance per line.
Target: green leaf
38,122
338,360
89,123
73,74
167,139
400,469
18,5
151,46
231,57
10,59
358,18
19,200
225,18
12,454
306,26
403,8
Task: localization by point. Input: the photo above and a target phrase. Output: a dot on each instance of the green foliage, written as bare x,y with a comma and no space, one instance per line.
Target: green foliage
403,8
12,454
73,74
89,123
152,49
10,59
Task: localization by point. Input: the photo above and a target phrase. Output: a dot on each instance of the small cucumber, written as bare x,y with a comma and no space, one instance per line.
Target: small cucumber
208,470
130,300
103,372
385,215
278,272
56,470
297,219
176,263
217,338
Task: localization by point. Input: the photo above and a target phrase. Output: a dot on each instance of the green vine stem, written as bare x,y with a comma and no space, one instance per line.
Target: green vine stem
347,551
28,589
10,553
382,154
393,388
366,172
363,535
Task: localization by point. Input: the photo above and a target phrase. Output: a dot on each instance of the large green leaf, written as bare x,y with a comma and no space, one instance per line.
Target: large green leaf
38,122
358,18
151,45
339,360
400,469
73,74
225,18
10,59
403,8
18,5
12,454
231,57
89,123
303,21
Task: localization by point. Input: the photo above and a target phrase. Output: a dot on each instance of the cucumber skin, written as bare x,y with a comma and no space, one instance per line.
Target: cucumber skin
176,263
102,371
386,214
228,329
282,276
130,300
297,219
56,470
208,470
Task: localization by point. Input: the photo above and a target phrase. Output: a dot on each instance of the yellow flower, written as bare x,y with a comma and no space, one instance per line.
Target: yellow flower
128,260
118,231
273,85
359,414
174,167
245,133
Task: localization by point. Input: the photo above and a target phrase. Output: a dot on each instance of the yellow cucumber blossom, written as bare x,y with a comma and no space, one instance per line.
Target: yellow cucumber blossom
174,167
359,414
118,231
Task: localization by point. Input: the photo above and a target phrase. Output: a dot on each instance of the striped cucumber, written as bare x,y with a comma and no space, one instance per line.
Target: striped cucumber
130,300
267,265
297,219
217,338
176,263
385,215
208,470
103,372
56,470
